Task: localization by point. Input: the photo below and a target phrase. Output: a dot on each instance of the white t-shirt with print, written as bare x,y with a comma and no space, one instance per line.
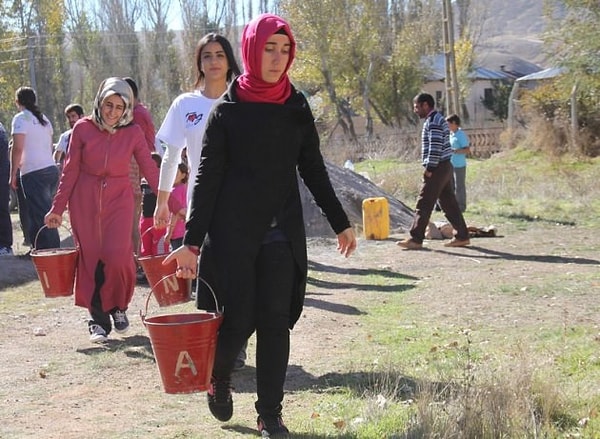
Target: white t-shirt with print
183,127
37,150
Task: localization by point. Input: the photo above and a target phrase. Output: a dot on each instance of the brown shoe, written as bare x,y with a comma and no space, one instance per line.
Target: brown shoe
457,243
410,244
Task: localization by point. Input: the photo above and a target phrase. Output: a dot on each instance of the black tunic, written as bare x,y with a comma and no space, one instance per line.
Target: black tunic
246,178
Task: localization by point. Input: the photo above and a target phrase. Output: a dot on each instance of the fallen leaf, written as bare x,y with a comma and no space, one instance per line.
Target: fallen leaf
340,424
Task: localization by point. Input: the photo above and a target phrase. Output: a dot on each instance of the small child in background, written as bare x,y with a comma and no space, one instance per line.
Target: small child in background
178,208
150,237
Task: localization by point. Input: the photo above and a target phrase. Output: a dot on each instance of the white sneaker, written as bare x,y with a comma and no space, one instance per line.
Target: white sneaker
97,333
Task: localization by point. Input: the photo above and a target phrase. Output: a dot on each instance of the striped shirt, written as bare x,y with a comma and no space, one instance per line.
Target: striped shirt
435,141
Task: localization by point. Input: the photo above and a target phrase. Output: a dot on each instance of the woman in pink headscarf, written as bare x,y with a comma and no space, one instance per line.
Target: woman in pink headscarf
246,216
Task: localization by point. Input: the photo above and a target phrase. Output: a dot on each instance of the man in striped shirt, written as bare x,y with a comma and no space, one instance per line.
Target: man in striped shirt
437,178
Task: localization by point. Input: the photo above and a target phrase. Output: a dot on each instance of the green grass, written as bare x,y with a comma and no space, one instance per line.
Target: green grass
519,185
492,381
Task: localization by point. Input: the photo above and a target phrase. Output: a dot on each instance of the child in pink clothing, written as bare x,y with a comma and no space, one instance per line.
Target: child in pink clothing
178,208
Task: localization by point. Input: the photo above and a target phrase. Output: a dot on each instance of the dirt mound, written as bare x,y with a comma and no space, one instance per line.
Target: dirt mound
351,189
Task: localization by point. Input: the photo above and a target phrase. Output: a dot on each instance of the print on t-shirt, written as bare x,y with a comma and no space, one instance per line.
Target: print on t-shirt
193,118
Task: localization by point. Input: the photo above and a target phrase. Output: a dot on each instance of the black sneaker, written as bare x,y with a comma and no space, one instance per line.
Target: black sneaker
121,321
97,333
219,399
272,426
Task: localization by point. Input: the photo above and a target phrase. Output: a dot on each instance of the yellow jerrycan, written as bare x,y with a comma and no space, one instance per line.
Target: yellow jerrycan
376,218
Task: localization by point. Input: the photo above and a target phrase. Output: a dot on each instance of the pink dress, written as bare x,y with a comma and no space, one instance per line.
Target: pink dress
95,185
179,193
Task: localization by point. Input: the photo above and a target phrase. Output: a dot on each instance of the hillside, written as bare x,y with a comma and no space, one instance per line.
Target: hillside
511,35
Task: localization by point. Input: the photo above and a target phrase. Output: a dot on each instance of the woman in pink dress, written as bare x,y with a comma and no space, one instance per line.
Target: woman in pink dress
96,188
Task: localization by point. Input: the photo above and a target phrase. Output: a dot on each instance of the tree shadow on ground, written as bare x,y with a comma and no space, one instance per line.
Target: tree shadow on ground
337,308
245,430
317,266
358,273
394,288
550,259
297,380
348,274
362,384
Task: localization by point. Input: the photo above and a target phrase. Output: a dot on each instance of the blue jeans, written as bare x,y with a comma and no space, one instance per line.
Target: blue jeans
39,188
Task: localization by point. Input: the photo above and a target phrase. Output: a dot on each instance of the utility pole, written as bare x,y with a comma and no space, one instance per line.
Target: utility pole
32,77
451,79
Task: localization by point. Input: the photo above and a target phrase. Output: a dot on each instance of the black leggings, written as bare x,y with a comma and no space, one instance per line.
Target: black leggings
262,304
98,315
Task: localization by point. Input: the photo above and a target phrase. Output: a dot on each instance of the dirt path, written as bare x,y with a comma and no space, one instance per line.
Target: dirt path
59,385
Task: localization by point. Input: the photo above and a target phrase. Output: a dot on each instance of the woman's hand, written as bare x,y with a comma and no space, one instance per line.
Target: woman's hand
346,242
52,220
162,215
187,262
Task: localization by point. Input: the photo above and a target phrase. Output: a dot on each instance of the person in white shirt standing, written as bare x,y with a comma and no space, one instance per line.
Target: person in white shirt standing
31,152
73,113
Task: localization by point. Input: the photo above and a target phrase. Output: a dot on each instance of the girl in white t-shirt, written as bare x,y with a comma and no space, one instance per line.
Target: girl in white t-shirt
31,153
183,126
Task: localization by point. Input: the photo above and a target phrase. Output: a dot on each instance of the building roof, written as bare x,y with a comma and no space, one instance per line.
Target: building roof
437,70
548,73
483,73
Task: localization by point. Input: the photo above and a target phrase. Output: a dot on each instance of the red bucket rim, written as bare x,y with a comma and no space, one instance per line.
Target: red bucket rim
150,257
211,316
52,251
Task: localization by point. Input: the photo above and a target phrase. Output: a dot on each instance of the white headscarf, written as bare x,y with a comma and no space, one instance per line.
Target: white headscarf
109,87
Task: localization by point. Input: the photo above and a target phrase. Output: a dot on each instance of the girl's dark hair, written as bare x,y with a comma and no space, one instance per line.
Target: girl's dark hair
212,37
26,97
453,118
183,168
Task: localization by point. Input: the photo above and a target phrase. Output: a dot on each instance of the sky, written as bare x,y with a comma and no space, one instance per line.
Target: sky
174,16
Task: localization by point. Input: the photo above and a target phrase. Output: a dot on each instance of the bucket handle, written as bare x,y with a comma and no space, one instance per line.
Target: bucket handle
144,313
46,227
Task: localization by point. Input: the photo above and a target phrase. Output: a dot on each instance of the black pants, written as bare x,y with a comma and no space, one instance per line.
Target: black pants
263,306
97,314
438,186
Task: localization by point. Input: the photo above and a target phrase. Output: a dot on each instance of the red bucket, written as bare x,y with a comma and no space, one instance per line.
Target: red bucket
184,346
168,290
55,268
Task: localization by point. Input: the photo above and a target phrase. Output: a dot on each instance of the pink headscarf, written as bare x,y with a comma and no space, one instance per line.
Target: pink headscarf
250,85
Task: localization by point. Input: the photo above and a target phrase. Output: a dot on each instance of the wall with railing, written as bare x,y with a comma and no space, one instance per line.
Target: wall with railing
403,144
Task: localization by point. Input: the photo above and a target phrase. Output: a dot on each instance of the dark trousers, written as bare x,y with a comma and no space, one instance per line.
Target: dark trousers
438,187
97,314
6,235
264,308
39,188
